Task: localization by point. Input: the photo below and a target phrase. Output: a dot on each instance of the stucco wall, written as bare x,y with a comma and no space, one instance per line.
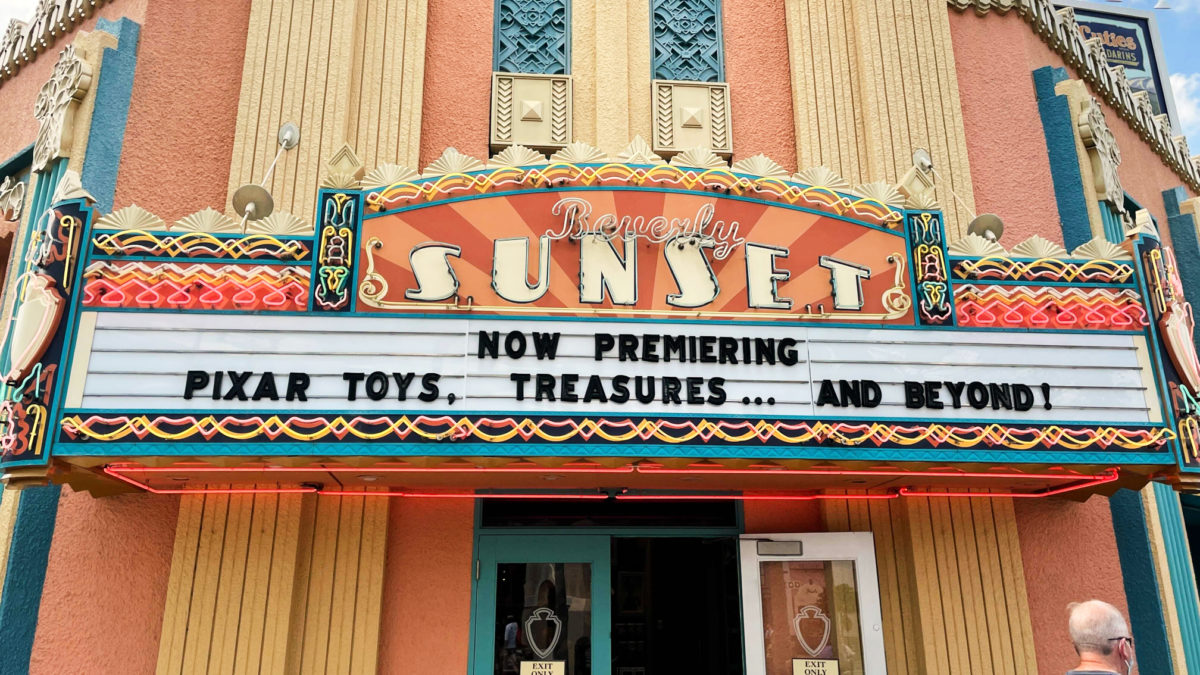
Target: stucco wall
427,586
1070,554
18,95
757,69
769,517
180,132
996,55
106,584
458,79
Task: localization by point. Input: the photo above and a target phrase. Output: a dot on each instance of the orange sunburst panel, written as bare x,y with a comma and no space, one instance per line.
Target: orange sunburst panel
474,225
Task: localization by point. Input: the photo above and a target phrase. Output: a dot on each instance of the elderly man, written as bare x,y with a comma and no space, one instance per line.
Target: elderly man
1101,638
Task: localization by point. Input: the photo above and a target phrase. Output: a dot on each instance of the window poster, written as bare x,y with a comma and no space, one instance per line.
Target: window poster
810,614
1128,41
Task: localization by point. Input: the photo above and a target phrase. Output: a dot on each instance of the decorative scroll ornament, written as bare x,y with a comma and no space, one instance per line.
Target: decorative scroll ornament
517,155
531,36
699,158
760,165
12,198
1103,152
1175,319
132,217
822,177
386,175
1038,247
639,152
1101,249
208,220
110,284
1059,30
335,253
33,326
991,306
281,223
452,161
685,43
67,85
638,430
935,302
975,246
578,153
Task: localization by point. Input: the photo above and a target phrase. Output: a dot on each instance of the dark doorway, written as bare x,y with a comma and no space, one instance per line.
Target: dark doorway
675,606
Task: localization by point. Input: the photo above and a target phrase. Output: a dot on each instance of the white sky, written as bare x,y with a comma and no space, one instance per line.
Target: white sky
15,9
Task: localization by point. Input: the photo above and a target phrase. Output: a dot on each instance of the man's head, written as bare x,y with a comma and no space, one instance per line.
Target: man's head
1101,634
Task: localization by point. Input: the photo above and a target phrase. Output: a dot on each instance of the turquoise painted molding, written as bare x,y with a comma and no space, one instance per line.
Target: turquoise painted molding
1114,228
1140,581
1181,571
686,42
1058,124
38,508
25,573
107,134
532,36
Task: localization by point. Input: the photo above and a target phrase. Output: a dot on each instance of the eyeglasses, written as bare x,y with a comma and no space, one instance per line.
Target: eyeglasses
1123,637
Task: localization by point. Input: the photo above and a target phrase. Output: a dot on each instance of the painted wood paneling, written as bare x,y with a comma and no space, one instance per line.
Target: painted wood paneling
951,585
275,583
345,71
871,82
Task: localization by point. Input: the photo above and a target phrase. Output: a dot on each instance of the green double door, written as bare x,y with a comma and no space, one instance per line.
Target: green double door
542,605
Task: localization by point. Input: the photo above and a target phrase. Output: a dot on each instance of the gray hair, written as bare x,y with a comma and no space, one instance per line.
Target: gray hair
1093,624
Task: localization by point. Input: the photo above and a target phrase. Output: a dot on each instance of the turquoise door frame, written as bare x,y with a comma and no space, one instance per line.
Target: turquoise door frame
494,549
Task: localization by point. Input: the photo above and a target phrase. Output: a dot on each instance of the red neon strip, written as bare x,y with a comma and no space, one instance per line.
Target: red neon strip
631,468
755,497
460,495
207,491
567,468
864,472
1109,476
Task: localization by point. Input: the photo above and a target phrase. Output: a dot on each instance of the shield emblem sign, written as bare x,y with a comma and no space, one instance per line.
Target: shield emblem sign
811,627
543,630
34,326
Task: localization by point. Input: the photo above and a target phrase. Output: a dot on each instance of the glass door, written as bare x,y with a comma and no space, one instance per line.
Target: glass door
542,606
811,604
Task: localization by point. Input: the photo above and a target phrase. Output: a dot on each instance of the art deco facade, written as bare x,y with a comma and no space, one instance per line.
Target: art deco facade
659,336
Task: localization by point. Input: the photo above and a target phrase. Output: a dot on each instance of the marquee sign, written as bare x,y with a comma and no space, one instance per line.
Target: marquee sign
600,310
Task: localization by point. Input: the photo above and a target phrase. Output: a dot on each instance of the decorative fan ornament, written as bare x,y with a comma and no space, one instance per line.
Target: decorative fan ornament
1038,247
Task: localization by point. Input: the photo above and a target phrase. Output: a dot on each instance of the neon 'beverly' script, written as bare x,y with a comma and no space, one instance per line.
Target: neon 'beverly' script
578,221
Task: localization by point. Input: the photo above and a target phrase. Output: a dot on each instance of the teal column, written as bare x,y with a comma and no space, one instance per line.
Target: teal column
1141,582
25,573
33,531
1058,125
1180,570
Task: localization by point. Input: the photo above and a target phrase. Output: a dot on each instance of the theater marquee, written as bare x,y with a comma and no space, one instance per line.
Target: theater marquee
572,310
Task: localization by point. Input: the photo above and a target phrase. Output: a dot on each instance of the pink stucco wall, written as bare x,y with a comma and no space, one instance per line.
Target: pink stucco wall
182,117
759,75
106,584
769,517
427,586
458,78
1005,142
18,95
1070,554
